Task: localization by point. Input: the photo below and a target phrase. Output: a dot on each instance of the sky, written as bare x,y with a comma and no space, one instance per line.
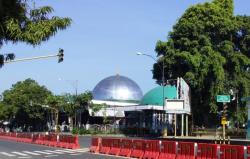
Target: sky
102,41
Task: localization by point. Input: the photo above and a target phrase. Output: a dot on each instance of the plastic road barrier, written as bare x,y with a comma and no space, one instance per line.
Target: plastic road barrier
115,147
105,145
207,151
126,147
168,150
185,150
152,149
138,148
231,152
95,144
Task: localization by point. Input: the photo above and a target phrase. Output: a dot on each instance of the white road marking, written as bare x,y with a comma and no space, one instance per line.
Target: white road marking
75,154
66,151
32,153
19,153
7,154
50,156
46,153
54,152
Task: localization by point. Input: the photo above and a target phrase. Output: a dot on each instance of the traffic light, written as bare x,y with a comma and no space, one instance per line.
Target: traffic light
60,55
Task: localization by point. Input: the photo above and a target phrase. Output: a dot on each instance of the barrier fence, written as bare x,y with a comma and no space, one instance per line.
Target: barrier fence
53,140
162,149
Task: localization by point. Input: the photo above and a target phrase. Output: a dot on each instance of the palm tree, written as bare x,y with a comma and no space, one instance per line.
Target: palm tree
55,103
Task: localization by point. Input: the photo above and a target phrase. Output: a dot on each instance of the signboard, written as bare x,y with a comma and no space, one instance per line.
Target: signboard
184,94
223,121
223,98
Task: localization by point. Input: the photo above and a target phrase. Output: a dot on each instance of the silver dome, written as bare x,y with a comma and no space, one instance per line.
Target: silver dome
117,88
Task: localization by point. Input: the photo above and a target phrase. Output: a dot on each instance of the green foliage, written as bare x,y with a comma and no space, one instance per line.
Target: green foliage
75,131
19,22
209,48
22,104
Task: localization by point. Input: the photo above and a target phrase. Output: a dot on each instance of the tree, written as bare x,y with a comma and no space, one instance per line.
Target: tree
55,104
209,47
22,104
20,22
74,103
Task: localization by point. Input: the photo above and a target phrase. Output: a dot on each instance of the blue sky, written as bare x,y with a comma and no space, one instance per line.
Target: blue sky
102,41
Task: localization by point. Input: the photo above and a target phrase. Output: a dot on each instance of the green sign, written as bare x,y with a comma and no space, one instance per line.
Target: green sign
223,98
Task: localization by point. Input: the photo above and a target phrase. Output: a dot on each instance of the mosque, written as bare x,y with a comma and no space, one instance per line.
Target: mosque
162,108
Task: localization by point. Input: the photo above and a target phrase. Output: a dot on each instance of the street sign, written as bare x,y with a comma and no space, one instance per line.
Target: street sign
223,121
223,98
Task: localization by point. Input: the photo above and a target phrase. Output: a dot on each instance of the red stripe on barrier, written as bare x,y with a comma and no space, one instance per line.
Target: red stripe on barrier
231,152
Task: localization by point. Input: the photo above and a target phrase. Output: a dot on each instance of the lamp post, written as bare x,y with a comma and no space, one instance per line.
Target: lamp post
163,75
162,83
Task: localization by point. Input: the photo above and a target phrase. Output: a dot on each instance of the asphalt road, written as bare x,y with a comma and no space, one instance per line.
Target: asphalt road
17,150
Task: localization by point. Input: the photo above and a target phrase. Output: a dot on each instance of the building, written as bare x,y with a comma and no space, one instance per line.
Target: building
116,92
162,108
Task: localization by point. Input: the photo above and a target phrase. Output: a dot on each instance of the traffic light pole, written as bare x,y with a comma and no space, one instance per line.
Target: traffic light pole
30,58
59,55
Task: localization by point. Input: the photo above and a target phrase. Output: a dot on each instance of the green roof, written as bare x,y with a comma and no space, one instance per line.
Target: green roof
155,96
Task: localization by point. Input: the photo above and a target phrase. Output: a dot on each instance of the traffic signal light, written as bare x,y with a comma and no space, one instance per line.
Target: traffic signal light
60,55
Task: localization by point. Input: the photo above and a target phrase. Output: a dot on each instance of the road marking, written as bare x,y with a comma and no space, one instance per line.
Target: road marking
19,153
32,153
46,153
66,151
50,156
7,154
54,152
75,154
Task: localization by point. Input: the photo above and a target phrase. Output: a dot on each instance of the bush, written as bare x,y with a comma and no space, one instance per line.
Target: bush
75,131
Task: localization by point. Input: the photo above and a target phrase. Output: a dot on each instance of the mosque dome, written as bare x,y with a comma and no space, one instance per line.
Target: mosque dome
155,95
117,88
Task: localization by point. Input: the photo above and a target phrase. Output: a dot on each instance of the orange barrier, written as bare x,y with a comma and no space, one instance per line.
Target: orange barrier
95,144
152,149
126,147
185,150
138,148
64,141
115,147
168,150
105,145
207,151
231,152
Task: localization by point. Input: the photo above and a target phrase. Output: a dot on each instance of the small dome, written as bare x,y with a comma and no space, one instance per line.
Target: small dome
155,96
117,88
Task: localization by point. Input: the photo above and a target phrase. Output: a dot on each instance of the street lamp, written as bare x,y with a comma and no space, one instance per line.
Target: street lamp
163,74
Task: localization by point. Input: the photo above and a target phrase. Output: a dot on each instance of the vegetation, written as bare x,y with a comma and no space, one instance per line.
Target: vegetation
22,105
209,47
22,22
27,104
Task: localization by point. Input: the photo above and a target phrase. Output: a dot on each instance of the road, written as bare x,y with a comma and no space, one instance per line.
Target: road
17,150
